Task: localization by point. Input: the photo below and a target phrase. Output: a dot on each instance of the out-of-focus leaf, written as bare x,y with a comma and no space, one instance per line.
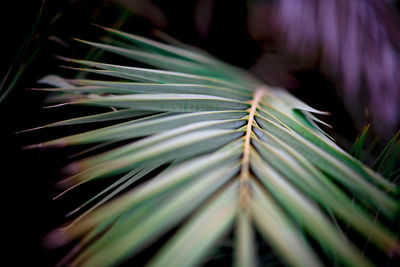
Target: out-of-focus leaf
235,155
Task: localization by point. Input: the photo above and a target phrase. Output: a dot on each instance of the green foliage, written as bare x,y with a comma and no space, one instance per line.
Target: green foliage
241,156
385,162
21,60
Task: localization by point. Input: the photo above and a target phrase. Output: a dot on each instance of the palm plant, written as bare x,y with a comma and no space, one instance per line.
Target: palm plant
234,154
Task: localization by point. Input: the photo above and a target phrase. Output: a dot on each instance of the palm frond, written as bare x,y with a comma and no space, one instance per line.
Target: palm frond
240,155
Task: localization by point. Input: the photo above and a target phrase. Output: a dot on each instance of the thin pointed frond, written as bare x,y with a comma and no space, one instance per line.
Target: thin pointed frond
207,149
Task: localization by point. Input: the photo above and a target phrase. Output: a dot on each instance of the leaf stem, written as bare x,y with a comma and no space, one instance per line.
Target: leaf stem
244,190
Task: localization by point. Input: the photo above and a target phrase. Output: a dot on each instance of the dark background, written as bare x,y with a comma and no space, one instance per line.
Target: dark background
28,176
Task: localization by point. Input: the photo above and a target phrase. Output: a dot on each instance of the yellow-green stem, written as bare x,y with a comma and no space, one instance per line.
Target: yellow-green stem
244,190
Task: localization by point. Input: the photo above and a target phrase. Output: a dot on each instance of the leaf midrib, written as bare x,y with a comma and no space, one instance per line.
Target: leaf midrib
244,176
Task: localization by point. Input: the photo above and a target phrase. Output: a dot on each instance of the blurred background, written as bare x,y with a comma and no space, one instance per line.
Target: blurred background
338,56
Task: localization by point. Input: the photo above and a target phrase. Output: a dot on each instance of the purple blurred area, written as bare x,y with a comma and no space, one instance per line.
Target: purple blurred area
355,44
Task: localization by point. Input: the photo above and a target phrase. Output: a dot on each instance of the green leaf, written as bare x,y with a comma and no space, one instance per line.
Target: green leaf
176,176
280,232
385,155
333,166
193,55
327,146
186,146
359,143
313,183
128,237
306,213
107,116
159,75
141,127
206,147
156,60
93,86
156,139
166,102
196,237
245,243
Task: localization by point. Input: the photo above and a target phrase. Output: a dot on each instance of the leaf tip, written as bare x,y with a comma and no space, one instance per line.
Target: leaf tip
54,239
40,145
81,41
63,58
99,26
